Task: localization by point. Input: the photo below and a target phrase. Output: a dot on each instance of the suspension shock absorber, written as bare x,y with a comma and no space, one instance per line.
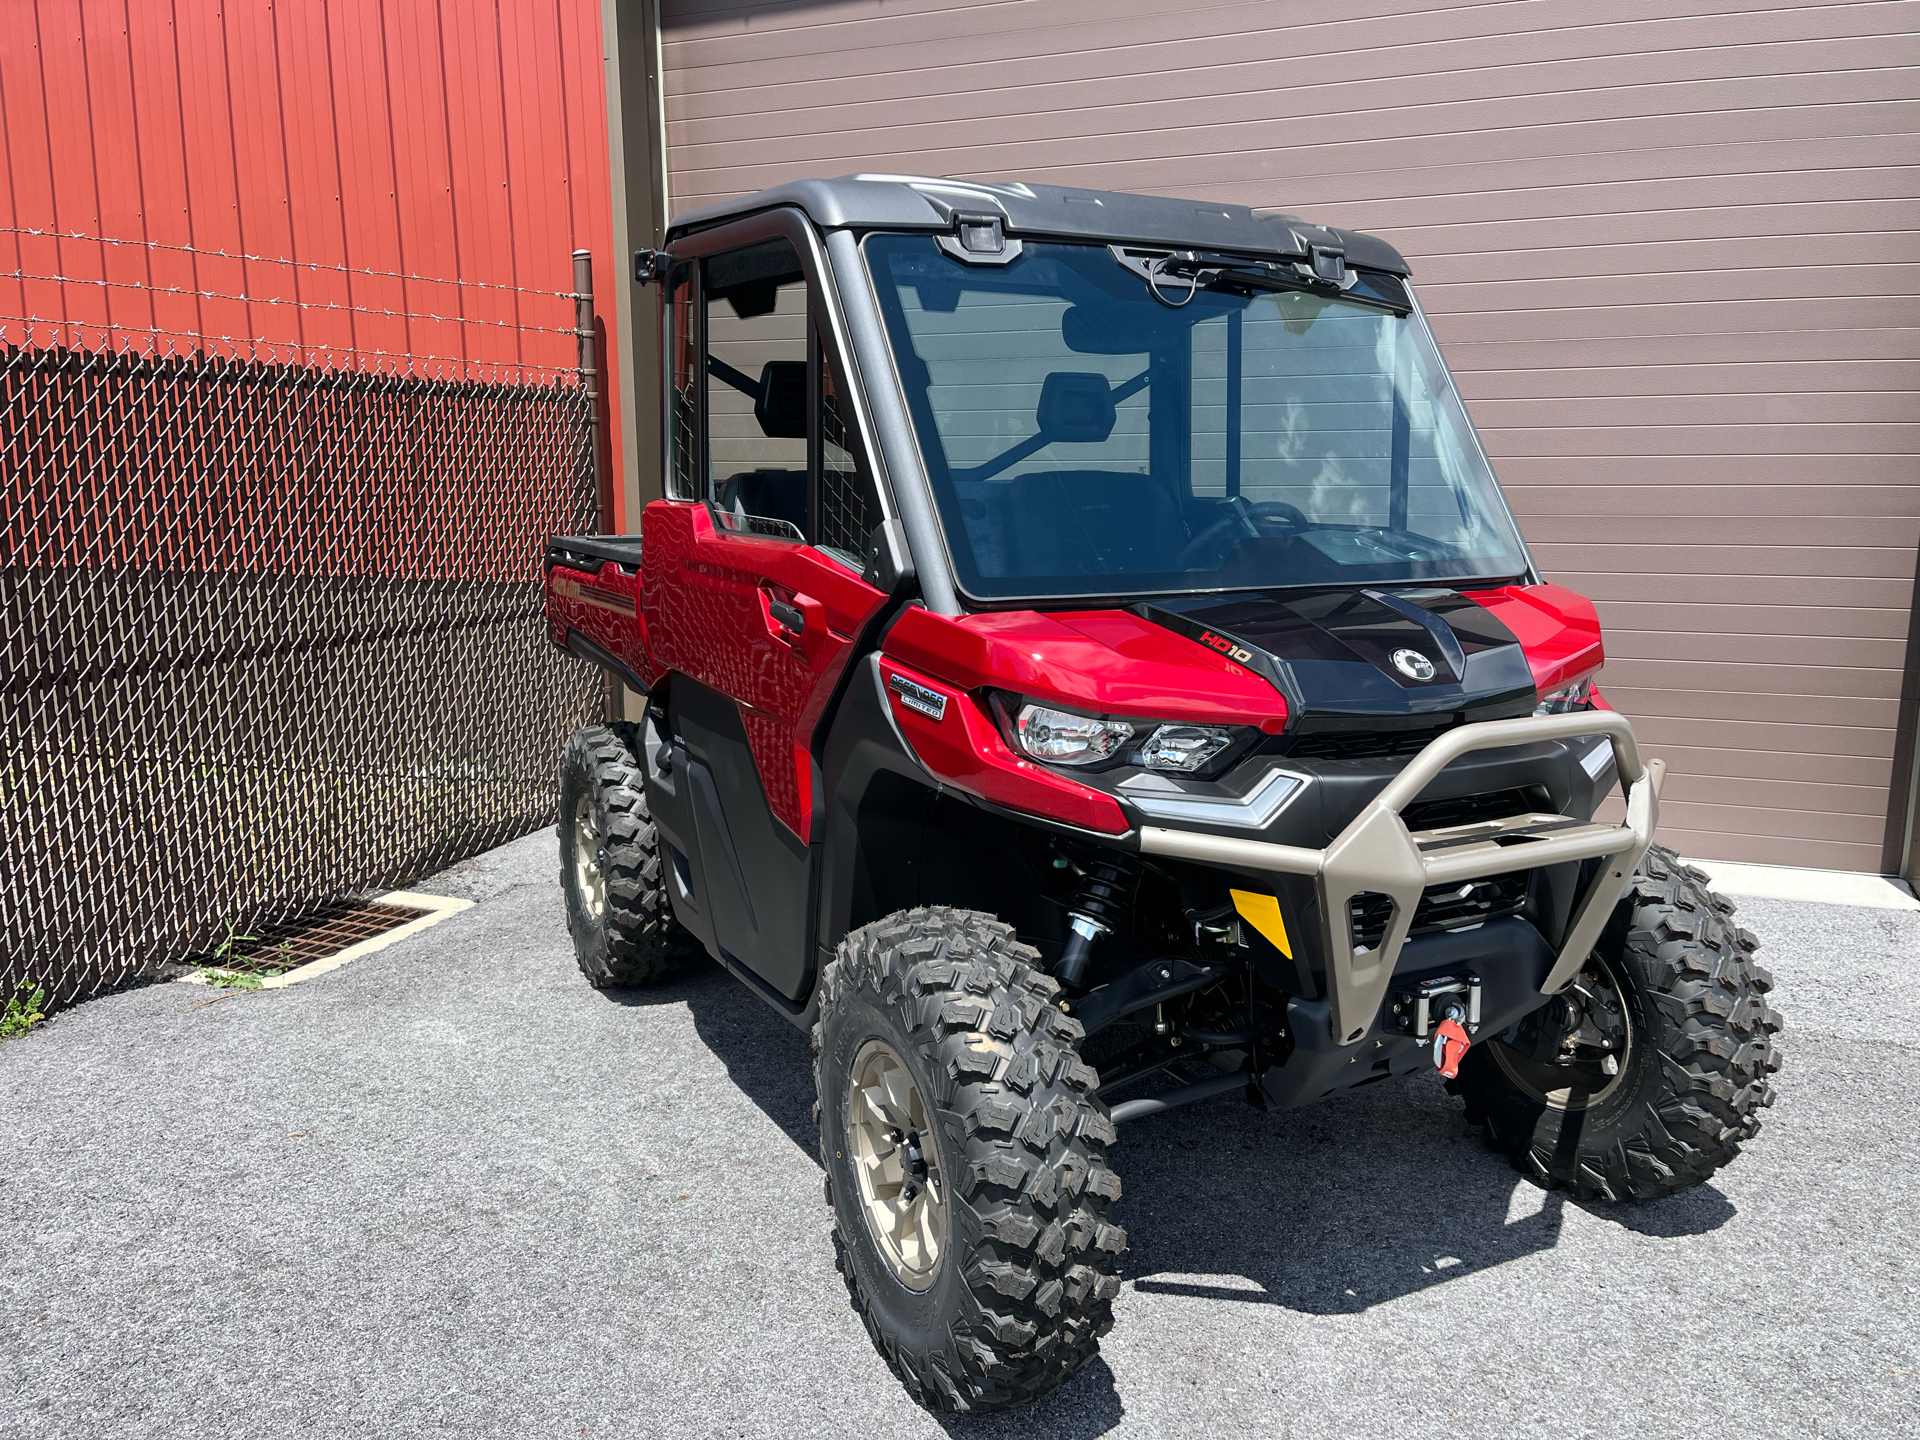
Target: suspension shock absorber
1102,905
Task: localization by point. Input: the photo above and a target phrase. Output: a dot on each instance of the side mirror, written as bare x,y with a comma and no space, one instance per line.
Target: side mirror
649,266
889,561
781,405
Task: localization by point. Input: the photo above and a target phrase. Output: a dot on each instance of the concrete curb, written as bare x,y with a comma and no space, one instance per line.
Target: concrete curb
1826,887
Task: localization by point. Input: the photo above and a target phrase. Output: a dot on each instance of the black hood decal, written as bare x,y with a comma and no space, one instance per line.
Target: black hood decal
1332,654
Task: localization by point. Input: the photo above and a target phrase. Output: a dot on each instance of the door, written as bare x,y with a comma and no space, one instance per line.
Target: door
753,596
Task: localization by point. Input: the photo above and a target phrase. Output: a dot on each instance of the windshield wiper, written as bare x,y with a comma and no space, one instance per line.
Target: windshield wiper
1324,272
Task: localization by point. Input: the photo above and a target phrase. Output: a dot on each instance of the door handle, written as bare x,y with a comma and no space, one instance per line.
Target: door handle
791,617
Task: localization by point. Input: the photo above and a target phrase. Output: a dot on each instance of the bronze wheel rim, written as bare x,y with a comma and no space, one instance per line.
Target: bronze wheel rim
1594,1050
890,1143
588,877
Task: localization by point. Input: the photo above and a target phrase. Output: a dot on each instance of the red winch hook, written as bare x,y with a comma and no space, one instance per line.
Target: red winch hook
1449,1045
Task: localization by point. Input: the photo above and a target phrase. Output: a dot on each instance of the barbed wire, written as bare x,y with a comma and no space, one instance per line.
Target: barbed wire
181,290
272,352
312,265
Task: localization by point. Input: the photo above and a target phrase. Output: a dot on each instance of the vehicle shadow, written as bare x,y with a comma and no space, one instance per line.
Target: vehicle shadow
1362,1199
1329,1210
769,1058
1086,1406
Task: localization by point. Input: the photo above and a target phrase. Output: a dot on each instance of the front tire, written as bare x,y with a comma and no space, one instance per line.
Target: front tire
622,923
1652,1070
977,1252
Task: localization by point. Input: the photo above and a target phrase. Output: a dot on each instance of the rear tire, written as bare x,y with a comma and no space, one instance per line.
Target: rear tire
622,923
1673,990
952,1007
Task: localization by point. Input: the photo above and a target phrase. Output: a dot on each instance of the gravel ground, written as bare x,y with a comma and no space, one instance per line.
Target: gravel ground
449,1189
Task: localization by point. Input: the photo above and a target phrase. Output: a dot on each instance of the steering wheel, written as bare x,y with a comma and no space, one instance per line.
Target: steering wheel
1244,520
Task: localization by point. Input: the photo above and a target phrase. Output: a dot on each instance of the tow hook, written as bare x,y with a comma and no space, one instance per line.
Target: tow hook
1449,1045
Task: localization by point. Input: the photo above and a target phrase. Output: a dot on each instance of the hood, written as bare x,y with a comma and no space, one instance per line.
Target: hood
1109,662
1299,664
1365,659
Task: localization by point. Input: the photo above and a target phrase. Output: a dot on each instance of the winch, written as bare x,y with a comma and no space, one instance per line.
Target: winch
1447,1007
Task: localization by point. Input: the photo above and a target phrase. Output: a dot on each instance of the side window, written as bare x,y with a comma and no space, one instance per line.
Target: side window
847,507
683,393
756,390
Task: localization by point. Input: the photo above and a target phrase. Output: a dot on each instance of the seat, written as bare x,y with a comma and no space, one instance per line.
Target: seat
777,494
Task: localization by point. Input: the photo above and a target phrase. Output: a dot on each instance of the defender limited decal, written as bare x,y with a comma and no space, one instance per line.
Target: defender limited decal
930,703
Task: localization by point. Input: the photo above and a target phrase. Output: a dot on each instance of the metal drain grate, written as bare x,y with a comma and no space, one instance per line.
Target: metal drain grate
277,949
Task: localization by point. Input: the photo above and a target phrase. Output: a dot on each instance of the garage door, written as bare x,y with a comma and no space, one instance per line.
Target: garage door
1671,256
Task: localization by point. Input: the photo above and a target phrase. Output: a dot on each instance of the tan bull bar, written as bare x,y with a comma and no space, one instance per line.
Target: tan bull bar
1378,854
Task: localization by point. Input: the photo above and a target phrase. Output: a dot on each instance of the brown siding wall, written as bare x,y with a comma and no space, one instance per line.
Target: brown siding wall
1671,253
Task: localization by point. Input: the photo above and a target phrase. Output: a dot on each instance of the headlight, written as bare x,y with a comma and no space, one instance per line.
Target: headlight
1061,738
1567,699
1184,747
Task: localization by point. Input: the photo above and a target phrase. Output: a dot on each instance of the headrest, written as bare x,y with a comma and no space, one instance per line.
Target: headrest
1075,408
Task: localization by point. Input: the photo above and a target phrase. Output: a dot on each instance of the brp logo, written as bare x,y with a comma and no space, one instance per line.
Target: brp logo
1413,665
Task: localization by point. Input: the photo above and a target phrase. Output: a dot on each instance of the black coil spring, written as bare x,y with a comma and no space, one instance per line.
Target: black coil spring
1107,889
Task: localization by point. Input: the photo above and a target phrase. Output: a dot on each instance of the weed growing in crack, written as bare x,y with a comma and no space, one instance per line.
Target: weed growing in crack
24,1010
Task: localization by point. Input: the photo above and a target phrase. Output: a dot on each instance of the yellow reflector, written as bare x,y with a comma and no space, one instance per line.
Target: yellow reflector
1263,913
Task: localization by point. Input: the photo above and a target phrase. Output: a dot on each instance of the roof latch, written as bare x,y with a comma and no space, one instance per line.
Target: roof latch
980,240
980,234
1327,264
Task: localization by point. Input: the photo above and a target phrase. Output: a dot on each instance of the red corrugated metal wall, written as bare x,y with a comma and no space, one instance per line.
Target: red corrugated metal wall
375,183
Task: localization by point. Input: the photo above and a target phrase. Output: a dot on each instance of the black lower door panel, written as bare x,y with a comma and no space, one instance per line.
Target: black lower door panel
752,874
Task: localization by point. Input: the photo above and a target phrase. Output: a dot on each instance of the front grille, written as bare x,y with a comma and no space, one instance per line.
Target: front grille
1364,744
1369,913
1447,907
1442,907
1467,809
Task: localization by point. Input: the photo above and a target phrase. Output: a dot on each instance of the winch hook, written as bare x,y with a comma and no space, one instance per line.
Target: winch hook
1450,1041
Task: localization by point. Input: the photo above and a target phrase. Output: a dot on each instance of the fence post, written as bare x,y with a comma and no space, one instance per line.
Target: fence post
583,329
616,698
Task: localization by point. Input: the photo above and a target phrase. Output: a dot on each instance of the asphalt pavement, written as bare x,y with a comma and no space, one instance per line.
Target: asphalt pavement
449,1190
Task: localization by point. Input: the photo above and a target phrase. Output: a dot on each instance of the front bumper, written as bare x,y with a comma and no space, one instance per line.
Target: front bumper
1376,853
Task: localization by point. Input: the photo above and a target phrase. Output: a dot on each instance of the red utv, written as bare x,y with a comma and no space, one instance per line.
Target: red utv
1091,668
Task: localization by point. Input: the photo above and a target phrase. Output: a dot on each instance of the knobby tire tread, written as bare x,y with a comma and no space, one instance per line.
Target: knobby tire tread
1013,1095
1713,1041
640,943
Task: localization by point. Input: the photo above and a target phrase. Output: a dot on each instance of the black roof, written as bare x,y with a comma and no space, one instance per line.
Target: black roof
916,202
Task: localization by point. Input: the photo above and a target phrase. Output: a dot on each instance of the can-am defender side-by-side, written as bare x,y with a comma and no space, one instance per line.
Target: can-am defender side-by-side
1090,668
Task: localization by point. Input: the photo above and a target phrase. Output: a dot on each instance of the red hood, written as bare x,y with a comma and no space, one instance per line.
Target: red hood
1115,662
1558,630
1108,661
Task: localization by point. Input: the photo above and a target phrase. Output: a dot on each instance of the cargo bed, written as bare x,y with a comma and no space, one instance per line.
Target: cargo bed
593,604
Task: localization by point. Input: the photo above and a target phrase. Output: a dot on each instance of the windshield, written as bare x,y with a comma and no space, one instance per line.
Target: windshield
1086,436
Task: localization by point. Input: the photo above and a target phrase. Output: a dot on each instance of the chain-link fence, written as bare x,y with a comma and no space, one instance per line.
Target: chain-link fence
272,633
